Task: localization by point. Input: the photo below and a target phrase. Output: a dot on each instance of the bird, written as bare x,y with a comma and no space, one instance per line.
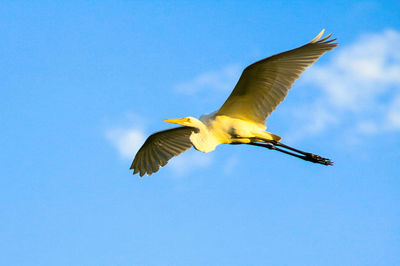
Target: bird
261,87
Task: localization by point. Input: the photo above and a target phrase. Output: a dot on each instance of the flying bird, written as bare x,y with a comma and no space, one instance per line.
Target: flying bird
241,119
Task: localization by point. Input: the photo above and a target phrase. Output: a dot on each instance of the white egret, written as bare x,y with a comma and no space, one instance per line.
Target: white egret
241,119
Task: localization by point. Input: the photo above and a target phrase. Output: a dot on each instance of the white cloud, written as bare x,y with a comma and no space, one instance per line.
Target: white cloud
360,83
315,118
367,127
126,141
189,161
360,72
220,80
393,115
230,165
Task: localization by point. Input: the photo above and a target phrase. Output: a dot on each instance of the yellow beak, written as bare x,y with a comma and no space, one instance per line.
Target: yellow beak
178,121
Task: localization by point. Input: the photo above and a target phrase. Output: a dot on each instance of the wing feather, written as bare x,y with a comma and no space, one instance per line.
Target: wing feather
159,148
265,84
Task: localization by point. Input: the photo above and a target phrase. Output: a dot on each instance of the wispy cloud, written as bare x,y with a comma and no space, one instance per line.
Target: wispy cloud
361,83
190,161
230,165
358,73
392,120
218,80
126,141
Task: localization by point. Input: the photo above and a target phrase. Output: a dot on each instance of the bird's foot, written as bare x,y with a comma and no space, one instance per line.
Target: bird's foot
317,159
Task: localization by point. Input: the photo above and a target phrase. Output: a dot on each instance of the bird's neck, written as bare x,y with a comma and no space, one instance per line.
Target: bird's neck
203,140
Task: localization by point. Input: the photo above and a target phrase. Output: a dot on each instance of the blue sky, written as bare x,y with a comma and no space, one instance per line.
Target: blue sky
83,83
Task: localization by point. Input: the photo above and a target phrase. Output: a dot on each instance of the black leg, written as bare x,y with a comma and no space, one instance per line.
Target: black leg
302,155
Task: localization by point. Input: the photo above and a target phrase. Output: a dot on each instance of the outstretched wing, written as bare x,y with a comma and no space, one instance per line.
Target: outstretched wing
265,84
159,148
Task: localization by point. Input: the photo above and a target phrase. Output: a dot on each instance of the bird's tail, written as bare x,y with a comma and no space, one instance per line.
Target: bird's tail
271,136
275,137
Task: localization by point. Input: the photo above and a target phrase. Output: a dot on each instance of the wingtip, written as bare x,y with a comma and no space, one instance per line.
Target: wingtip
318,36
135,170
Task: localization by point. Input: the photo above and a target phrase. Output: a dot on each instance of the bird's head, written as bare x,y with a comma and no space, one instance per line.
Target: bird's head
187,122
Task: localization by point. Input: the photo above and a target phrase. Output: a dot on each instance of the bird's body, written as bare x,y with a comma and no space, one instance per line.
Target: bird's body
241,119
221,129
